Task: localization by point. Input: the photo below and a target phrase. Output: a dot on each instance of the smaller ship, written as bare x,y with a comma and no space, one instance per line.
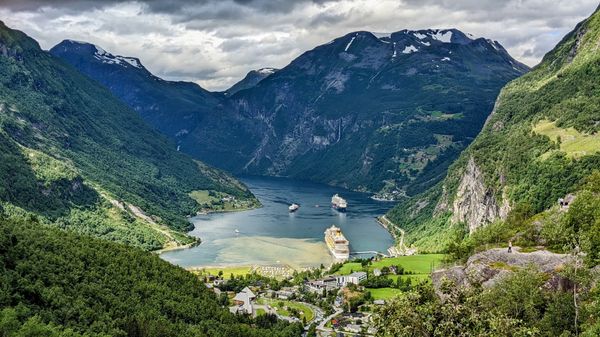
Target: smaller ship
237,231
293,208
339,203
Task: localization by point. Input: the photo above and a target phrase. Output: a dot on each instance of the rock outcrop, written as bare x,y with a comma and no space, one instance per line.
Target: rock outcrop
489,267
474,203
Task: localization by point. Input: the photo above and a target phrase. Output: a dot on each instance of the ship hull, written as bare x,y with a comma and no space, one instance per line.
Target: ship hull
341,257
338,208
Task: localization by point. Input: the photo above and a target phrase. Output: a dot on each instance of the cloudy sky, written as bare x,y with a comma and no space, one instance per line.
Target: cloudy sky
216,42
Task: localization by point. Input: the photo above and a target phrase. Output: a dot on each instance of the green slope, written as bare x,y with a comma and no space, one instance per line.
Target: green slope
75,156
56,283
540,144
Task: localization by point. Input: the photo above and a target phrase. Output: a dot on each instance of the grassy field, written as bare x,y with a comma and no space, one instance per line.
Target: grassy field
574,143
420,267
305,311
213,201
227,271
417,264
384,293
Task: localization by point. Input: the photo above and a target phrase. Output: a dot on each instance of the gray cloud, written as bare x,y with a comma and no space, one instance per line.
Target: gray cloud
215,42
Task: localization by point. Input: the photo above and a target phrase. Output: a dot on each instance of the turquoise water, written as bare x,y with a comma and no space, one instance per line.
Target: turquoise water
271,234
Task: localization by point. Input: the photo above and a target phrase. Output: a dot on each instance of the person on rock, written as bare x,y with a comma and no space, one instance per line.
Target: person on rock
510,246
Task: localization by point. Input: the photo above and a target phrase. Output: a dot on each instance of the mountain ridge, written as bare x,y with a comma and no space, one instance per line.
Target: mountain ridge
76,157
362,90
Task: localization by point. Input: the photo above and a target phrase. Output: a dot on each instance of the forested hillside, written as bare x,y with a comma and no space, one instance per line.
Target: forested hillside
540,144
75,156
54,283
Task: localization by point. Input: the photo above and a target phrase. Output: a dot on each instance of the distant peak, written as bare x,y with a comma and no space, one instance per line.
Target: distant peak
99,53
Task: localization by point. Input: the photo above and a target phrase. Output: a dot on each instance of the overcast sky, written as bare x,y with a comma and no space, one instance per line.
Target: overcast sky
216,42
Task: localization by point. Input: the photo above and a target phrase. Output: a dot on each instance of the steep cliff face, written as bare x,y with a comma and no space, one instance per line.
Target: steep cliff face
540,143
474,203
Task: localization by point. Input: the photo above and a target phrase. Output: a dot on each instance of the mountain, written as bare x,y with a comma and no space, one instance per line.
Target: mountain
76,157
56,283
380,114
251,80
171,107
383,114
540,144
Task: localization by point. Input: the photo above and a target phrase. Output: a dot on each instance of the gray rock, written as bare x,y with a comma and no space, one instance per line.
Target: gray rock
491,266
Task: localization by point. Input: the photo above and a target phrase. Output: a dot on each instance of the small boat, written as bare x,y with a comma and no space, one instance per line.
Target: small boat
293,208
237,231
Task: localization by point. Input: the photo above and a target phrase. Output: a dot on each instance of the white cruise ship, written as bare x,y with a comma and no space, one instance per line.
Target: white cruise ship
337,243
339,203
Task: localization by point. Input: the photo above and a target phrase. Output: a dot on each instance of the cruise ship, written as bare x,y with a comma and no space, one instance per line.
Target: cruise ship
337,243
339,203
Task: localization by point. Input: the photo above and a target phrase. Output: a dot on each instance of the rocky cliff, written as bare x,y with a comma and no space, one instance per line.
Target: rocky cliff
474,203
539,144
488,267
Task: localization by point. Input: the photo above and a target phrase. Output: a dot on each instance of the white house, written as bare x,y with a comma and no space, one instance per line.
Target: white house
354,278
243,302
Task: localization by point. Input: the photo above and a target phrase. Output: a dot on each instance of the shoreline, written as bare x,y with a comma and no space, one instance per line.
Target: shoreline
208,212
198,240
179,247
384,222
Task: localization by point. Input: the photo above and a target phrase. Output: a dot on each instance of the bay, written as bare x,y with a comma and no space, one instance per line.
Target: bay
271,235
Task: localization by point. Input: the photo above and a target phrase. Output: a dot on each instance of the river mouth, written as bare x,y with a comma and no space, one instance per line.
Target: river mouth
272,235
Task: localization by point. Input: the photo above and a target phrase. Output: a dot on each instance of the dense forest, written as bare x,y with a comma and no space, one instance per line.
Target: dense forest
75,156
56,283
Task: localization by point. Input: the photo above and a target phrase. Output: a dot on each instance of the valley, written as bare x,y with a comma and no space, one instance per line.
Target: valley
422,182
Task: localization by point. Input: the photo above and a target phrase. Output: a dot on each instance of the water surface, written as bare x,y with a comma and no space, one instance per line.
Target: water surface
271,235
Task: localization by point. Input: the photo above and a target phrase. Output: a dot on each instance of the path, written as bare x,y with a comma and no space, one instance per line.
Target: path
321,325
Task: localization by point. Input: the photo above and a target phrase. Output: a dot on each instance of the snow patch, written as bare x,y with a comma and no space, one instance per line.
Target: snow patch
382,35
77,42
100,51
394,47
350,43
494,44
426,43
410,49
266,71
132,61
108,58
445,37
419,36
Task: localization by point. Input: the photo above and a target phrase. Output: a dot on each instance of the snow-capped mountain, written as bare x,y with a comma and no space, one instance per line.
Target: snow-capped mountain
385,112
174,108
375,112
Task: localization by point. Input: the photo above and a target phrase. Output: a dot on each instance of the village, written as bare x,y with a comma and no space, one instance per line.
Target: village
341,300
